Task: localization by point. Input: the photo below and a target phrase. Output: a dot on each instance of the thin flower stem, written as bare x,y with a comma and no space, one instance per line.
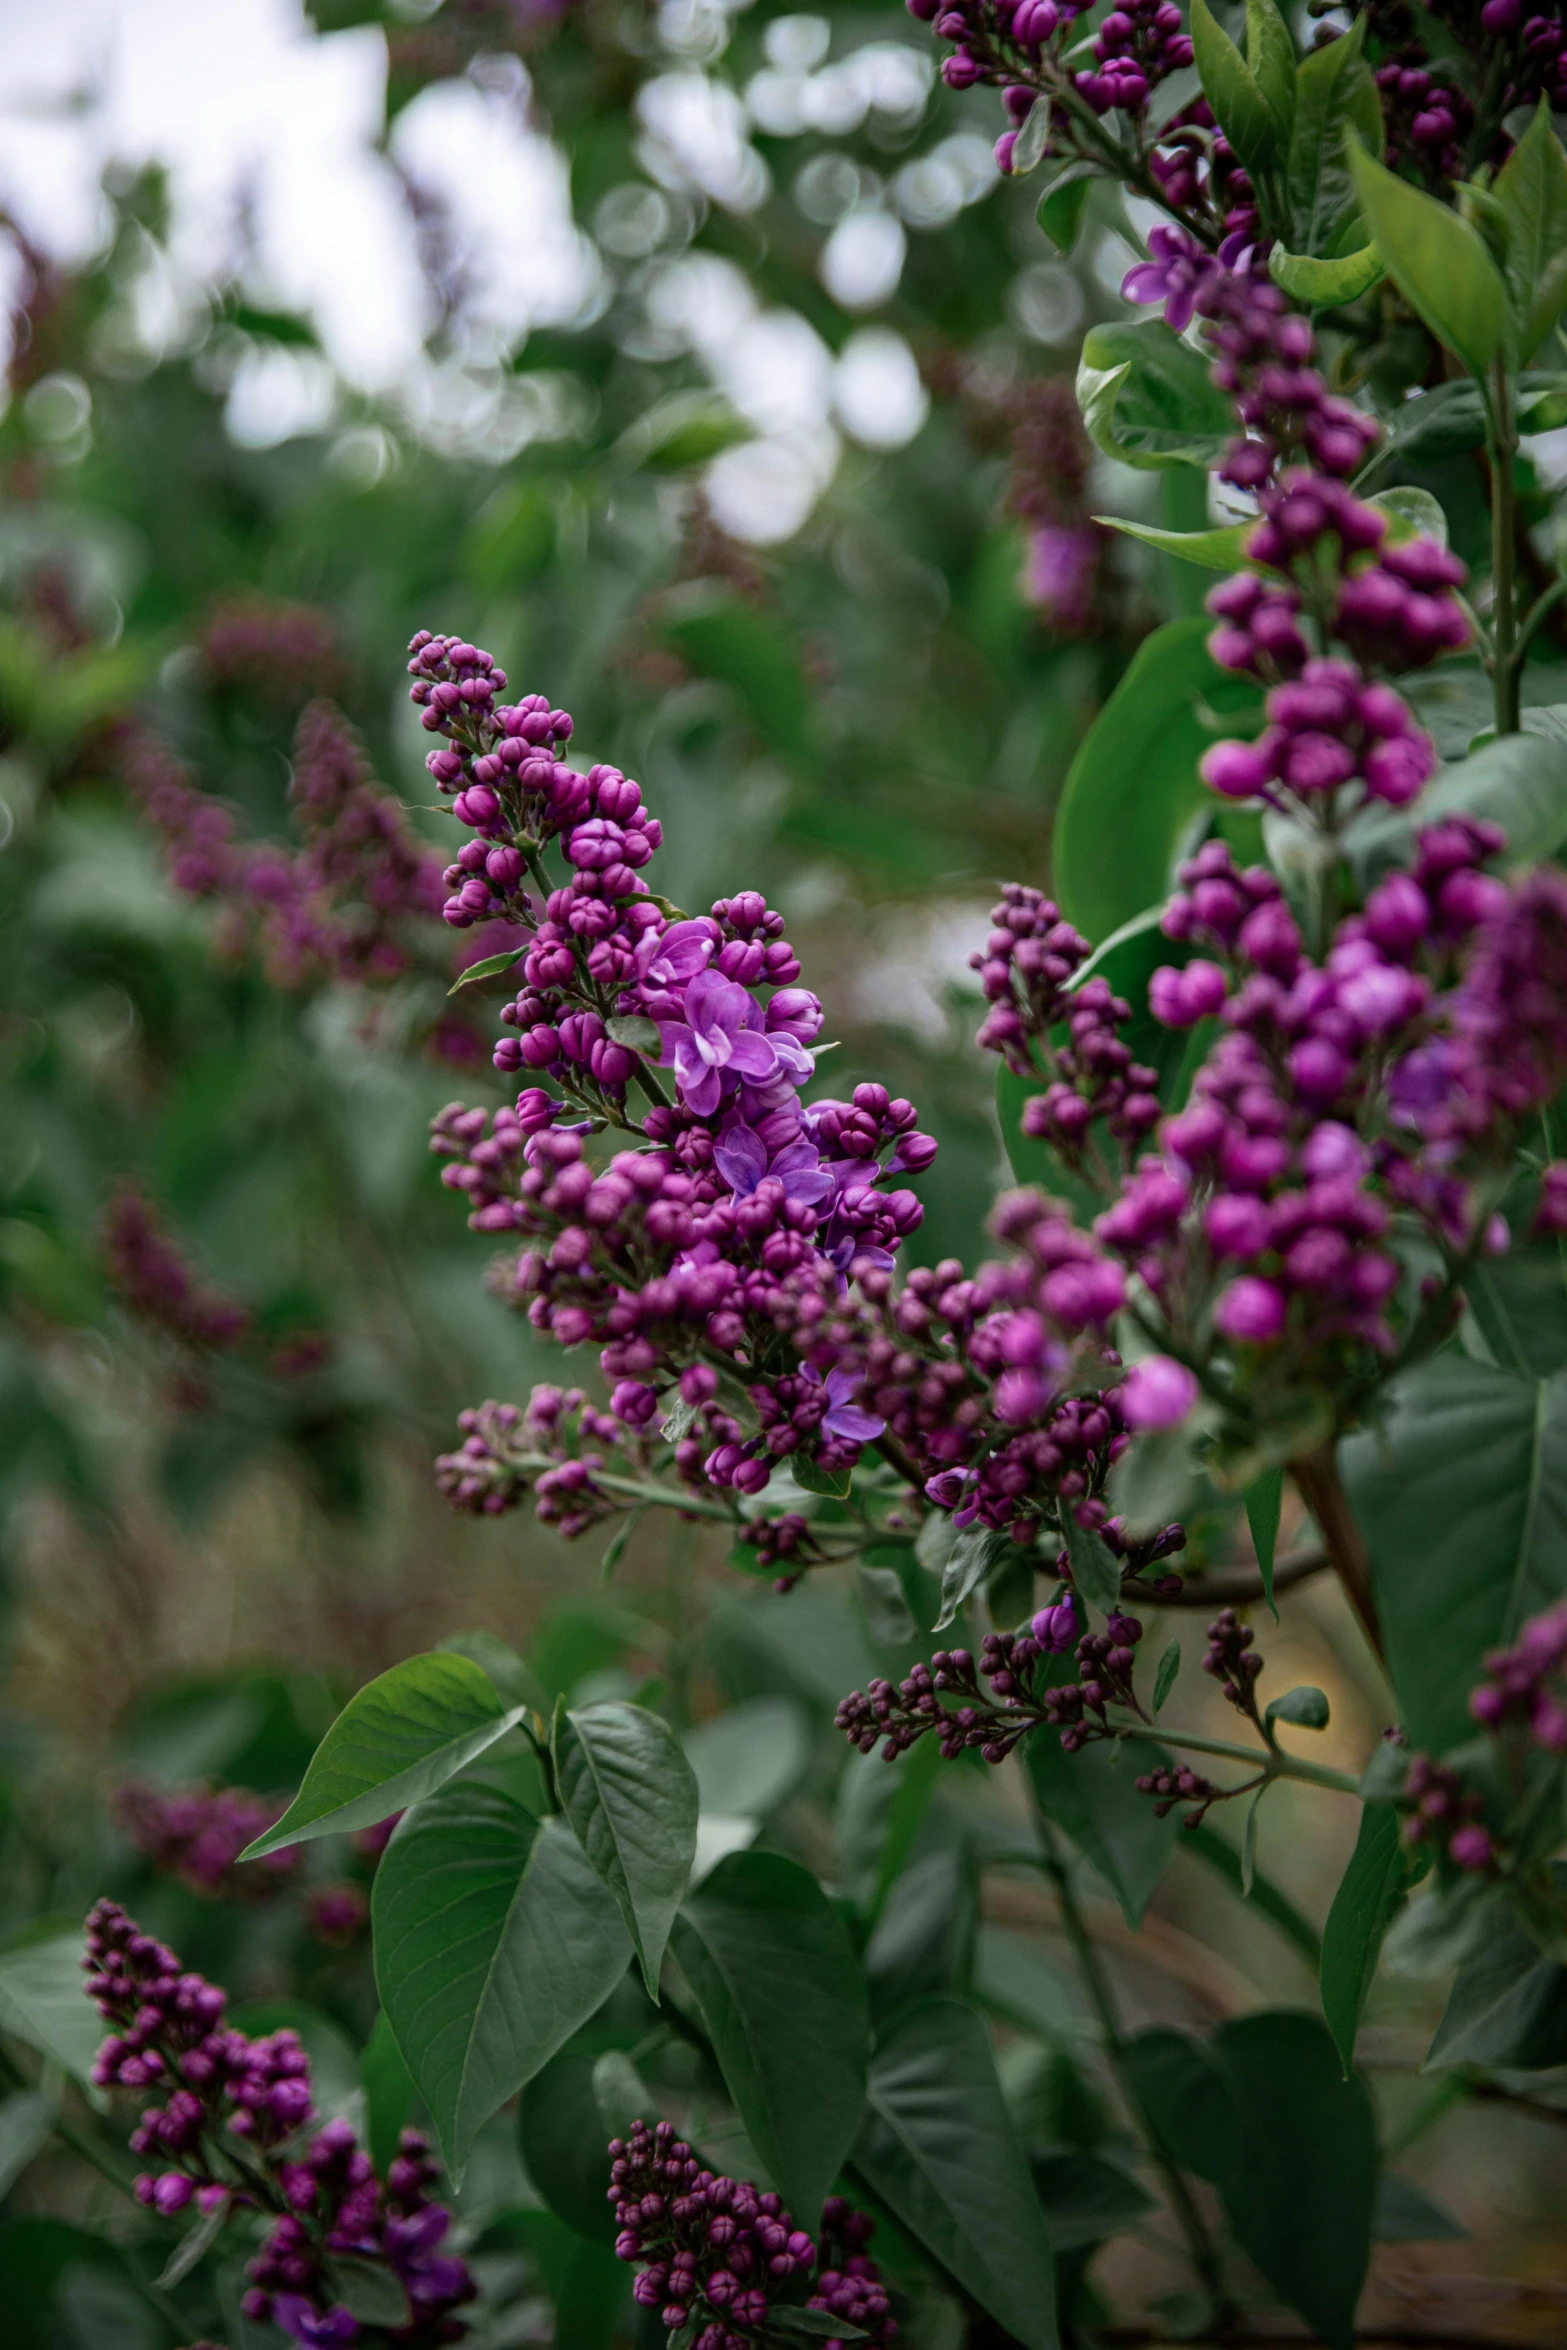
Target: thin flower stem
1201,2249
1272,1762
633,1489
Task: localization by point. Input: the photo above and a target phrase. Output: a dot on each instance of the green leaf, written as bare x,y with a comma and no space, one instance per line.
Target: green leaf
973,1554
888,1617
1438,262
773,1971
1096,1571
1249,1844
1252,96
1507,2007
1411,514
1093,1799
494,1941
1335,91
1462,1497
1147,398
1519,1301
938,2148
1062,205
686,428
811,1477
389,2092
496,1657
42,2001
565,2145
1164,1678
1519,782
1033,137
750,1757
1370,1893
373,2291
631,1796
636,1033
1531,189
1305,1706
1265,1897
1211,550
1406,2214
1298,2175
403,1736
923,1941
1014,1979
1264,1499
1184,2098
1324,285
489,968
26,2125
1086,2199
1133,787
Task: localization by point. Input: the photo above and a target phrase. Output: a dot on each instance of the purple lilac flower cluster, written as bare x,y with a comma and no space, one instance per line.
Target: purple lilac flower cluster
742,1222
232,2134
196,1834
1441,1813
284,651
1526,1685
714,2252
1024,1692
153,1280
1519,51
550,1450
341,904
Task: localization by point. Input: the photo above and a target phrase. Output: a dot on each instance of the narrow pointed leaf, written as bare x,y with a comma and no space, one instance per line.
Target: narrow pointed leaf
1264,1499
1438,262
631,1796
1531,188
403,1736
494,1941
1370,1892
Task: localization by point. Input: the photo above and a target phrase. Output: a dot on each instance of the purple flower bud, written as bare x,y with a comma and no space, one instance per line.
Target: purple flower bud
1250,1311
1158,1392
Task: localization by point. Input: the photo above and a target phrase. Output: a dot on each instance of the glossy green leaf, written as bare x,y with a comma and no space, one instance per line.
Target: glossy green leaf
973,1554
566,2146
42,2001
1264,1500
1519,1301
1439,263
1252,96
1306,1707
1531,189
1015,1980
748,1758
1092,1797
1033,137
389,2092
1133,787
1411,513
1096,1571
1223,549
939,2150
1507,2007
1519,782
631,1796
1369,1895
1086,2199
494,1941
1406,2214
1147,398
1335,92
1164,1679
811,1477
774,1974
26,2125
637,1033
399,1739
923,1941
1324,284
489,968
1063,203
1462,1497
1298,2175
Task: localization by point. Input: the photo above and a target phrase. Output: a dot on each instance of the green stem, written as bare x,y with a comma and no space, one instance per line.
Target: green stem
1199,2243
633,1489
1502,449
1272,1762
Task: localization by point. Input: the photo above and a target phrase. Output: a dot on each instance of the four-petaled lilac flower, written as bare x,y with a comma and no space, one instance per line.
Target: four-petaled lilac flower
740,1155
722,1030
1175,276
666,959
843,1419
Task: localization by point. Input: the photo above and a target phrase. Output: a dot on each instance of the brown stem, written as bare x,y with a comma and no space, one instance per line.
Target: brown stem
1322,1490
1244,1584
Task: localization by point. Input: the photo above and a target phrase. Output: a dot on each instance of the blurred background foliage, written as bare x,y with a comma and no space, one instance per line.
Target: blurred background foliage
762,502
